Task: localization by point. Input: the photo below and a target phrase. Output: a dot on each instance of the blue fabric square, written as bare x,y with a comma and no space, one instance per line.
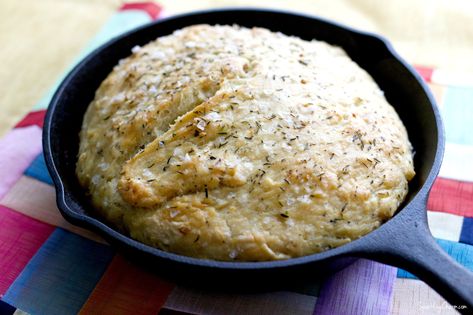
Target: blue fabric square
38,170
466,235
462,253
63,272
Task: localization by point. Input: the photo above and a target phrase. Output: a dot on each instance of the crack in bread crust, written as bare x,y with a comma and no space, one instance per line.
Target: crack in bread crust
158,174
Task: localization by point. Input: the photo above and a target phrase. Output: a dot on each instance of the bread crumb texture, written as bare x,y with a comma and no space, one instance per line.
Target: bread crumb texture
229,143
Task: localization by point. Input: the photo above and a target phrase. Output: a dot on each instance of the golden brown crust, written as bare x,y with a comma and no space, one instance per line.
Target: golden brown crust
241,144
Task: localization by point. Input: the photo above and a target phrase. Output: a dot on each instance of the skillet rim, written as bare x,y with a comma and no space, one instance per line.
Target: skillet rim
348,249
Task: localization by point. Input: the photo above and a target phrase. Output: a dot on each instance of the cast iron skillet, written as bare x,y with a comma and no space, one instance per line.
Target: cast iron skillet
404,241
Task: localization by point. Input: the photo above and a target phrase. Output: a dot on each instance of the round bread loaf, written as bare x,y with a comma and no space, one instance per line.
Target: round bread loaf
229,143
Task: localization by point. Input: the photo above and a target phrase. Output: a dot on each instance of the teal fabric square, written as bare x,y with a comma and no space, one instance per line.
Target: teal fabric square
457,114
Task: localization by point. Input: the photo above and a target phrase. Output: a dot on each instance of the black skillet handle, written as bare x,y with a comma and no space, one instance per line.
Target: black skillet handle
408,244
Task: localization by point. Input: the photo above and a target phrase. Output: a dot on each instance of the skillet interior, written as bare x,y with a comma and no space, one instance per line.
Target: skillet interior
402,88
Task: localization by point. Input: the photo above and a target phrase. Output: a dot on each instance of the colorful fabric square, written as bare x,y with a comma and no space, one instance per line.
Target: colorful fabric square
20,239
438,91
33,118
364,287
38,170
466,235
185,300
452,196
17,150
425,72
414,297
151,8
60,277
450,77
127,289
41,205
445,226
457,114
456,163
462,253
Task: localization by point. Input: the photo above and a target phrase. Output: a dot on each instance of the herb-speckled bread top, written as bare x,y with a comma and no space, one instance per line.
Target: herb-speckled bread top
231,143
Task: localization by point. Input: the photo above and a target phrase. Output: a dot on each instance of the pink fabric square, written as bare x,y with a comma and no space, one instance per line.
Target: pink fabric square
20,239
17,150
